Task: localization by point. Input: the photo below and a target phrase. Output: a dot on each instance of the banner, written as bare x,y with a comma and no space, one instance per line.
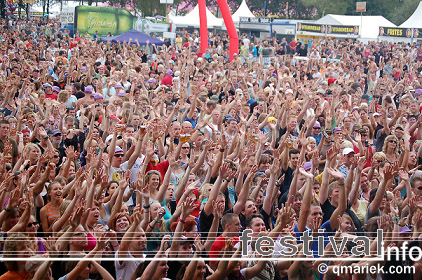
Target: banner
255,20
28,1
342,29
112,20
395,32
417,33
309,27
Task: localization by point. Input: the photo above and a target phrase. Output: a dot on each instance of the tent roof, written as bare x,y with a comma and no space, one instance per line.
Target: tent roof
192,19
134,34
371,24
242,11
415,20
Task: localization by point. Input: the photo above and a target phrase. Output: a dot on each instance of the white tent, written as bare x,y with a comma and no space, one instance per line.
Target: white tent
415,20
242,11
371,24
192,19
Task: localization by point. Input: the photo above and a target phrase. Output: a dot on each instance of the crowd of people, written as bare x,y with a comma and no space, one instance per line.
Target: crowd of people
148,162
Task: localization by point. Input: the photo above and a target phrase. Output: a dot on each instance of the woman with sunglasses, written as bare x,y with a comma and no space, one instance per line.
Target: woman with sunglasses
391,149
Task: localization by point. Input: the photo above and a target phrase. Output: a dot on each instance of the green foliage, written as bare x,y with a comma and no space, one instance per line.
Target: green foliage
403,11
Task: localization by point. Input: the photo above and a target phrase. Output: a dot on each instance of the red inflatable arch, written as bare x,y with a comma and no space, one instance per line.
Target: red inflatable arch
228,21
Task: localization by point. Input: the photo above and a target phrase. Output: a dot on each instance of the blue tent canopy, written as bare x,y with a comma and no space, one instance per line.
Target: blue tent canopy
133,35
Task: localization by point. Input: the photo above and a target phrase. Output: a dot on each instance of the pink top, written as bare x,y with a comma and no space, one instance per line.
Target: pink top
91,242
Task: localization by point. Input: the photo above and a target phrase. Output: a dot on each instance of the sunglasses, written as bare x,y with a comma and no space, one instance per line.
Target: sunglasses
419,188
185,148
35,224
363,135
118,155
392,141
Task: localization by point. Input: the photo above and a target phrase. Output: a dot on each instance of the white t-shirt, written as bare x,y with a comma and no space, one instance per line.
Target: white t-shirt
126,269
116,173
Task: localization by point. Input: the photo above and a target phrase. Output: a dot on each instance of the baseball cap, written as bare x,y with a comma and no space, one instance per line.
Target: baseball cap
365,97
336,129
56,132
121,93
347,151
185,239
316,124
152,80
418,91
55,88
118,150
320,91
331,80
271,119
46,85
118,86
307,165
169,72
404,229
88,89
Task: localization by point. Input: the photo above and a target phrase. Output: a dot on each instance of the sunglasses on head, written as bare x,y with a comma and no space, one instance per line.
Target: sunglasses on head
33,224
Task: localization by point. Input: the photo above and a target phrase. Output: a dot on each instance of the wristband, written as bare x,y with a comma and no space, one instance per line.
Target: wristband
147,207
182,221
222,150
157,221
396,220
115,246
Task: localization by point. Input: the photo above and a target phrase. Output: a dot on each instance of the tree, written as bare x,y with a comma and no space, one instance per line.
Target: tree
403,12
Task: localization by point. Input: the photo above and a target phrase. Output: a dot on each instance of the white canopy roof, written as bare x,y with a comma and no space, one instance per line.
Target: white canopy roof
371,24
242,11
415,20
192,19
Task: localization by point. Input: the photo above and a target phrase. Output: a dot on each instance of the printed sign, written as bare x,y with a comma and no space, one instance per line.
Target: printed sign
309,27
395,32
342,29
361,7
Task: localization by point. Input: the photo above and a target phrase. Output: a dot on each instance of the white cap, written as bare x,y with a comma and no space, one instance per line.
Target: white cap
108,139
177,73
347,151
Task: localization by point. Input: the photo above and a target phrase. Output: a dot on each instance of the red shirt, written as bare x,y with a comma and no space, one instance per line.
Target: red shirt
167,80
13,275
218,246
161,167
51,96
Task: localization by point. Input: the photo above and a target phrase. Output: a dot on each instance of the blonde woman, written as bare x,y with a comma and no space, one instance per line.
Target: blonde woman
390,149
32,153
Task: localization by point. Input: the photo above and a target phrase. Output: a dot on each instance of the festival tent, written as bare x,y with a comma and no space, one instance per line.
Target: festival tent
192,19
133,34
415,20
242,11
370,24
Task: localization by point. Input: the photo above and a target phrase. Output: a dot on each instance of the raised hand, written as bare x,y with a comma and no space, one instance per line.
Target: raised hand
404,176
388,173
316,225
335,174
187,208
285,216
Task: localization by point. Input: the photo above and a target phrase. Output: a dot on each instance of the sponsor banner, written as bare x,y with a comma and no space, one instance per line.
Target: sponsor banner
310,27
395,32
342,29
255,20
